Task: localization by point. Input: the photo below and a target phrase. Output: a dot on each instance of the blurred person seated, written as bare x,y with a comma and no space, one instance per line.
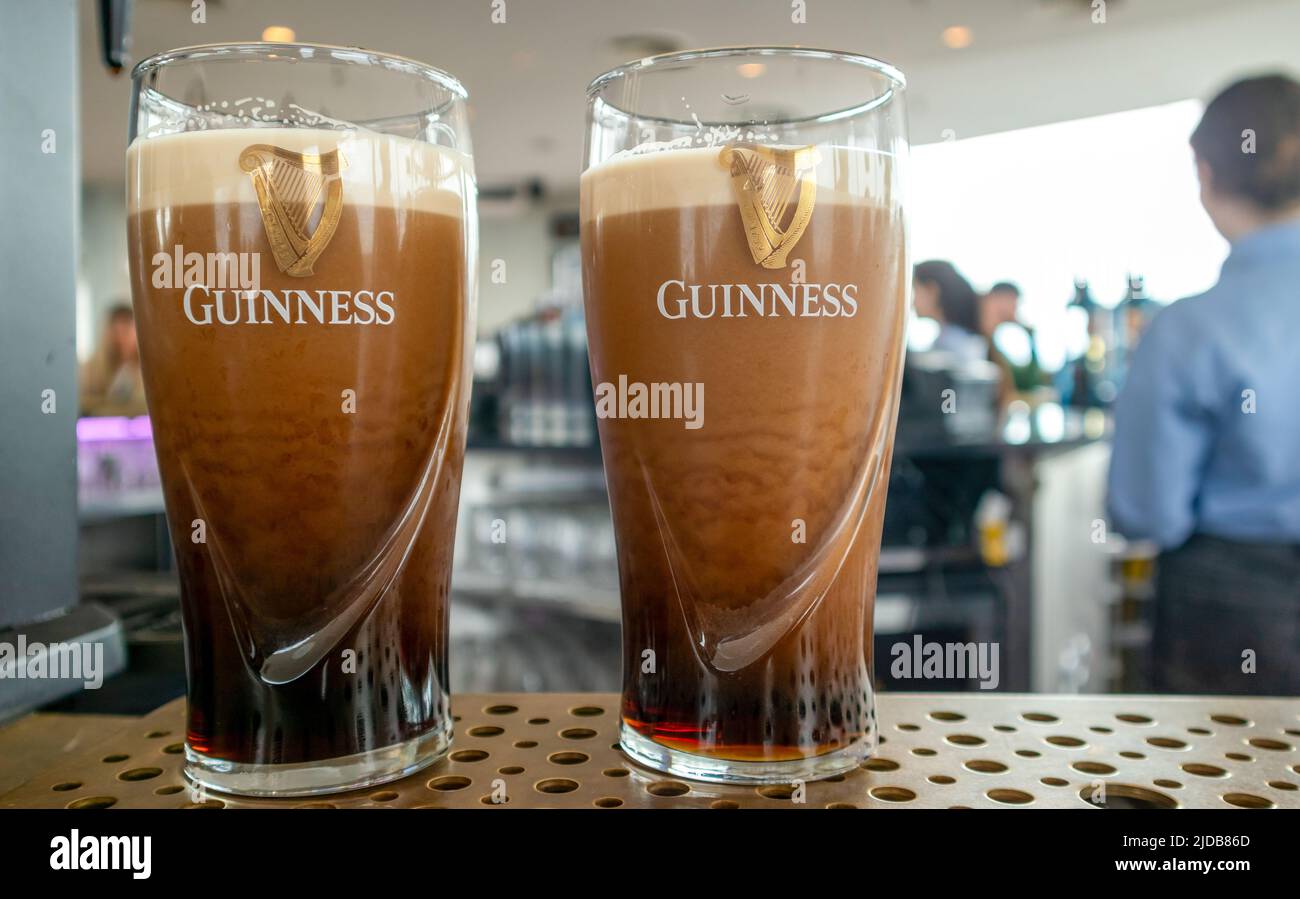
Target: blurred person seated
1206,460
111,382
942,294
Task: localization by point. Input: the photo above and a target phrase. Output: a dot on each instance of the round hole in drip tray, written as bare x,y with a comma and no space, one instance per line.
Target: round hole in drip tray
1114,795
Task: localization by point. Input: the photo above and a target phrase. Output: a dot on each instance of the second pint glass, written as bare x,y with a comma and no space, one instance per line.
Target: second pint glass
302,250
747,283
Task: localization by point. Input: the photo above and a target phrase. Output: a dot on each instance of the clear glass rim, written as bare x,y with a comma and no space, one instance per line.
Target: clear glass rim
266,49
898,82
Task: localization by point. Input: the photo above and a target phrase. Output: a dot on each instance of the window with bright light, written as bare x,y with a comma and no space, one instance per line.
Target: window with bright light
1093,198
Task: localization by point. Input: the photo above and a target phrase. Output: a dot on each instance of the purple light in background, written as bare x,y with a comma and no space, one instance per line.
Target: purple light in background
101,430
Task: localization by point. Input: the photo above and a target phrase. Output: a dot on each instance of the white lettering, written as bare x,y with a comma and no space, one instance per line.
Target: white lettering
677,300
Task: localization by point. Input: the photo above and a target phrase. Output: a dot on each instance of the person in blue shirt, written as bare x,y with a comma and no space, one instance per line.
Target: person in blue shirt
1206,457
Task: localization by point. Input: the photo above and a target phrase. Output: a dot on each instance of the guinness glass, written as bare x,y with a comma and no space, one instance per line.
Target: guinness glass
746,276
302,253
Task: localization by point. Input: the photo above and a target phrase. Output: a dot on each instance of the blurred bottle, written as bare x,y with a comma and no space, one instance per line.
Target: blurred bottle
991,517
1133,569
1091,375
545,381
1132,316
1001,539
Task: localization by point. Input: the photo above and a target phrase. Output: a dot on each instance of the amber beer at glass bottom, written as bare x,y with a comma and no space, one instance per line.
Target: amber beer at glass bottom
303,299
763,270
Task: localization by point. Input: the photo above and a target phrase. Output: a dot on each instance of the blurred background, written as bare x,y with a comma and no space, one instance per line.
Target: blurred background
1051,162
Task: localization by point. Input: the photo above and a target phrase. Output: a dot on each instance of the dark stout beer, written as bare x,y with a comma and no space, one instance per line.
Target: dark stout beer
310,430
747,547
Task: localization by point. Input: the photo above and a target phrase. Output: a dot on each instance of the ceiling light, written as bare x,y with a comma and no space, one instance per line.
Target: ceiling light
278,34
957,37
751,69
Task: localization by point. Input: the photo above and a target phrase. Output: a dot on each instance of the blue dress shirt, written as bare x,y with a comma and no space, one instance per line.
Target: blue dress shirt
1207,427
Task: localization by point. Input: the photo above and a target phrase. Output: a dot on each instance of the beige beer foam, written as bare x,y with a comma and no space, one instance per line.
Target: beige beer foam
201,167
669,179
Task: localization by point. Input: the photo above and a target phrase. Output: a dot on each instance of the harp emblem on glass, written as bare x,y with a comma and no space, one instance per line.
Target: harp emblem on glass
767,181
291,188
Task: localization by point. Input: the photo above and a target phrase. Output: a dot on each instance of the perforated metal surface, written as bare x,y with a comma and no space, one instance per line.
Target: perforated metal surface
940,750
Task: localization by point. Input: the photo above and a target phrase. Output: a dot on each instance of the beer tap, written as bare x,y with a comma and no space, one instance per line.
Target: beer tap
114,32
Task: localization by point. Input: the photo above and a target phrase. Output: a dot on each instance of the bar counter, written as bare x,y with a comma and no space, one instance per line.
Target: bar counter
938,750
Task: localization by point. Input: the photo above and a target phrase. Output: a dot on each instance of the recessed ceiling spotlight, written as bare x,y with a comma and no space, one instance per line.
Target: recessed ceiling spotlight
957,37
278,34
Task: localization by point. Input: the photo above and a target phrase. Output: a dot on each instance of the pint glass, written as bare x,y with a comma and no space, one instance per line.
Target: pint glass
302,249
746,280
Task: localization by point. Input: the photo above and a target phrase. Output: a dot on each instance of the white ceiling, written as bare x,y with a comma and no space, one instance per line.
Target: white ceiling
1031,62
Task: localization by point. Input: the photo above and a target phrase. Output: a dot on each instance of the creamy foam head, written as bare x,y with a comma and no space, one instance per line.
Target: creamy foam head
201,167
695,176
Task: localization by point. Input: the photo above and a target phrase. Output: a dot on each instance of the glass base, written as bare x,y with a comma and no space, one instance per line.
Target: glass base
689,765
336,775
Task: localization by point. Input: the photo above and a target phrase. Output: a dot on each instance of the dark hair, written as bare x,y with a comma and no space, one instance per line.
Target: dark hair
1269,108
1005,287
121,312
957,299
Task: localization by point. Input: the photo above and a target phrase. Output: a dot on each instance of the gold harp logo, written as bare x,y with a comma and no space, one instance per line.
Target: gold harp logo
289,190
767,181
